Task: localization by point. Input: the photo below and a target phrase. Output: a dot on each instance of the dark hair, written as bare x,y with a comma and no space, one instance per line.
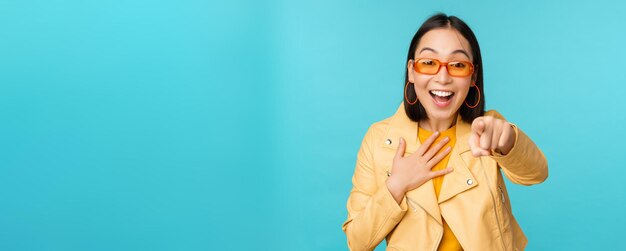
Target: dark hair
416,112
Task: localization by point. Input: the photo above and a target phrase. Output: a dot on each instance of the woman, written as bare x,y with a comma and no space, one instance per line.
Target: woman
430,176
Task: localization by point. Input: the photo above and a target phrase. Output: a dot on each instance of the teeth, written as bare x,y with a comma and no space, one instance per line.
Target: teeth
441,93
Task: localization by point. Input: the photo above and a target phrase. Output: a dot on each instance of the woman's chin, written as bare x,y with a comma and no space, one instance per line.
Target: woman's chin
437,113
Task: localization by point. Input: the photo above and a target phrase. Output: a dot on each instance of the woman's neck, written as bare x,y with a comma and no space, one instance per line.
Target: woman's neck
438,125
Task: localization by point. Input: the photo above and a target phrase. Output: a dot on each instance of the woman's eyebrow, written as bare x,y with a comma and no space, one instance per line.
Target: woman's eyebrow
461,51
428,49
456,51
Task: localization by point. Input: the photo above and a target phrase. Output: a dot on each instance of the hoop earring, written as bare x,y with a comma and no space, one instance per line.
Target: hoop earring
477,102
407,98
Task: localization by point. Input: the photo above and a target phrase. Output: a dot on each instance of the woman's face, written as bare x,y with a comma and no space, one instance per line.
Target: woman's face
441,94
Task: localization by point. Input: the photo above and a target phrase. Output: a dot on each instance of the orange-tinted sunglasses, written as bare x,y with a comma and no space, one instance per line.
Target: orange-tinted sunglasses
431,66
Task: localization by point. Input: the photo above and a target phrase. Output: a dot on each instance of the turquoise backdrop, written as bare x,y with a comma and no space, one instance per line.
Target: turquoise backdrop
234,125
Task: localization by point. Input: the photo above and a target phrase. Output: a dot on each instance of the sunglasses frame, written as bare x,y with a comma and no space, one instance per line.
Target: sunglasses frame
444,64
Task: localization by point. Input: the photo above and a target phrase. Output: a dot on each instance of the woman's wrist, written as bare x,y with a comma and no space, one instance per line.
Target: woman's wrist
396,189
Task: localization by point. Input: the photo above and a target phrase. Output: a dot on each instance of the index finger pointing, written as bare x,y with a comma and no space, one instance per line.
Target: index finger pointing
478,126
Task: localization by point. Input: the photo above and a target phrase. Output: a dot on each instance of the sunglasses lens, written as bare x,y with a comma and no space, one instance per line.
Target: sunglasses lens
432,66
460,69
427,66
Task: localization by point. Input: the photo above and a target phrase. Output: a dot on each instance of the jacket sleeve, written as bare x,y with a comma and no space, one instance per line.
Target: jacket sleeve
525,164
372,210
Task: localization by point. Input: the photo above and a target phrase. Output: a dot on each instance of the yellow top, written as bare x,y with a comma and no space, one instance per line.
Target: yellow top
448,241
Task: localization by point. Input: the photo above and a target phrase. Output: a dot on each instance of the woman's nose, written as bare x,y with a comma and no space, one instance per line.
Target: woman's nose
443,76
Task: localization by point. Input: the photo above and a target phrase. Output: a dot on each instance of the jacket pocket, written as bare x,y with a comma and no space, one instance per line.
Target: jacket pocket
505,211
505,216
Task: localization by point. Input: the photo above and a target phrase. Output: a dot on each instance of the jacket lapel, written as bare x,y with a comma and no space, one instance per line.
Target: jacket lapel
461,179
401,126
453,183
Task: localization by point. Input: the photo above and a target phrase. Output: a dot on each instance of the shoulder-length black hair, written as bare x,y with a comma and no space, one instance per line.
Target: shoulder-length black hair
416,112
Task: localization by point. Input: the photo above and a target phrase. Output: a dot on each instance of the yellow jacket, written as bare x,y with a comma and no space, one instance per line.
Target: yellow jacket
473,198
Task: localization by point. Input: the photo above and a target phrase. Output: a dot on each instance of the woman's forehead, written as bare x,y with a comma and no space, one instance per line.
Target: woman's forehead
444,42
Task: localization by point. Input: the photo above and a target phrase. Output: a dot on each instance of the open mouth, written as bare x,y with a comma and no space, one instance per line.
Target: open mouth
441,98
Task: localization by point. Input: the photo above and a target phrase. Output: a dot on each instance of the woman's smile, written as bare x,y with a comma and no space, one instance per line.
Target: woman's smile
441,98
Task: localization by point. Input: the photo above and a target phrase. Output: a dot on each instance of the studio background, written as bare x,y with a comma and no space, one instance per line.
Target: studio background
234,125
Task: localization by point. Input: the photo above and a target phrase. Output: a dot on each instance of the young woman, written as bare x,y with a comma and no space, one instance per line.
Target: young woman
430,176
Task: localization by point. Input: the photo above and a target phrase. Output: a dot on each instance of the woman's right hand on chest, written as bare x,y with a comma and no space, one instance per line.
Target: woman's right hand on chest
410,172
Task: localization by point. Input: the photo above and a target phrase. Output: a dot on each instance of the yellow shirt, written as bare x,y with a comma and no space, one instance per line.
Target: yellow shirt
448,241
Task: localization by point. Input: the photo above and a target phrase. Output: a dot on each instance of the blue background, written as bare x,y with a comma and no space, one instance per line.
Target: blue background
195,125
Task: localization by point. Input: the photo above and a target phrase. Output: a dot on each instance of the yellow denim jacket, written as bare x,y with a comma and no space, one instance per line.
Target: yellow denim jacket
473,198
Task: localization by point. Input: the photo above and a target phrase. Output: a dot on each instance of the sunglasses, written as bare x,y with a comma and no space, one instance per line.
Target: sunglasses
432,66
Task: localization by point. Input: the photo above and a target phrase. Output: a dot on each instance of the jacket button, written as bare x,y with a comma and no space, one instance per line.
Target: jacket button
470,182
388,141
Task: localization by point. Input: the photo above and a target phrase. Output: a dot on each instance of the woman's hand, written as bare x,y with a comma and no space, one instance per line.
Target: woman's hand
491,134
412,171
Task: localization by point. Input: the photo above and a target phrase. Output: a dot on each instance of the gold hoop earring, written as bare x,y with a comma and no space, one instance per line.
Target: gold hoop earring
477,102
407,98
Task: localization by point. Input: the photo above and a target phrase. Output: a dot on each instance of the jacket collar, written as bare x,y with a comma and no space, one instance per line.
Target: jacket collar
458,181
